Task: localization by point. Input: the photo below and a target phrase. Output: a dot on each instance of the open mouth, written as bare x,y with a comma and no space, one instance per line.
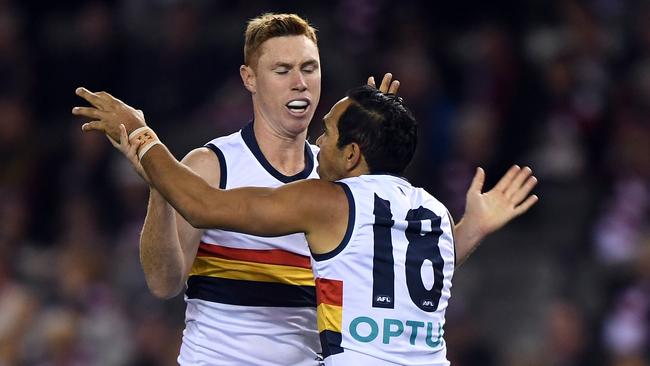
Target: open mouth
298,106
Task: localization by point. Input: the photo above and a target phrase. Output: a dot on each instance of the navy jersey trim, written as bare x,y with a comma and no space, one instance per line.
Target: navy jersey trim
453,237
248,135
330,342
250,293
223,176
348,231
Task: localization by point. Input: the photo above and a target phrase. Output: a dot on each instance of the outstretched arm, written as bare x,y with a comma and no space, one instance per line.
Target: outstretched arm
258,211
487,212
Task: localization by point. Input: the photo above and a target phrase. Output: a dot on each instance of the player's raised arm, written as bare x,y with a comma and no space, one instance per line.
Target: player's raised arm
487,212
253,210
315,207
258,211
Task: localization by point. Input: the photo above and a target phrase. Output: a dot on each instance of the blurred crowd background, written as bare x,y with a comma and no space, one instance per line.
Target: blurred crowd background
560,85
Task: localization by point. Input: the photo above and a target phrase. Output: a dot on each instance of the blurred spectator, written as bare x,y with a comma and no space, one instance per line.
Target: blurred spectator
562,85
17,307
626,330
16,61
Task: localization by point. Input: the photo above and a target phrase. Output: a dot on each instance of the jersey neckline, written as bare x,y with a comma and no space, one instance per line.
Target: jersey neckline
248,134
390,174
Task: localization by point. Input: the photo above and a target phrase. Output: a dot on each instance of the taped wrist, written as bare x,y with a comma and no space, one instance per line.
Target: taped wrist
145,138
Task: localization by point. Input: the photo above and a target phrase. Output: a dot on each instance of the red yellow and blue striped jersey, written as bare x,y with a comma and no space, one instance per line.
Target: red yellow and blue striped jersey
251,300
382,293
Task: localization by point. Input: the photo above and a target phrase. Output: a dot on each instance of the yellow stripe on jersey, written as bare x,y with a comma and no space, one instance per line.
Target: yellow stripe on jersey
329,317
252,271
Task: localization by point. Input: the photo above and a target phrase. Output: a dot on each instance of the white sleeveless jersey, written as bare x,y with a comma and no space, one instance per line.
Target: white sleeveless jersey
383,292
251,300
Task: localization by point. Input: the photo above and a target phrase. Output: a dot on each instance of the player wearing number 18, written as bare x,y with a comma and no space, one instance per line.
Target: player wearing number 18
382,250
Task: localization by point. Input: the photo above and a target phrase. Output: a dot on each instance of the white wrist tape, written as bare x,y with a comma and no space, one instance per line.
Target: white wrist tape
143,150
145,138
139,132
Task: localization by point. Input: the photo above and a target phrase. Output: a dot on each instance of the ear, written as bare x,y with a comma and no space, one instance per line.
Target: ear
353,156
248,78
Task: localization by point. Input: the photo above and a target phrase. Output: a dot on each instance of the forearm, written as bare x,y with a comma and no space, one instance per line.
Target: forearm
161,254
467,238
182,188
252,210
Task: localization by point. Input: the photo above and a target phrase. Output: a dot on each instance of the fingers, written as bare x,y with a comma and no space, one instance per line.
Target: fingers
385,82
130,149
524,190
93,126
101,100
505,181
517,182
477,182
528,203
89,112
394,86
104,95
124,137
371,82
113,142
388,85
132,153
125,146
92,98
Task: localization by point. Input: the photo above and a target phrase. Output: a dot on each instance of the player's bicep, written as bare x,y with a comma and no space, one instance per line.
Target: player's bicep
207,165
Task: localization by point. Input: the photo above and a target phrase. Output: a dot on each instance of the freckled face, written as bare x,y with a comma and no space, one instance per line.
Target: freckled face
287,82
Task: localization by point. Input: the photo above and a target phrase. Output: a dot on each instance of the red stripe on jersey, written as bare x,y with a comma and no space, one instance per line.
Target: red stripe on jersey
329,292
267,256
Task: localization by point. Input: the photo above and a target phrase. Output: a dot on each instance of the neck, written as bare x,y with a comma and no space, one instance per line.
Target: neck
361,168
284,151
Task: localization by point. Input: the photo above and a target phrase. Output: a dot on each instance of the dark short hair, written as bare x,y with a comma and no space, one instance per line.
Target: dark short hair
382,126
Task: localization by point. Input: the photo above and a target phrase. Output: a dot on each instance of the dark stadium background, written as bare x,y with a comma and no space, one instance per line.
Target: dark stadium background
563,86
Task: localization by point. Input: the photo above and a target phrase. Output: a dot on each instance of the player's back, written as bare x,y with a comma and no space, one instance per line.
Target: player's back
250,300
382,294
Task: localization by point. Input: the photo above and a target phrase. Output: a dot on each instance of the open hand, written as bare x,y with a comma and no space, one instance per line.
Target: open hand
107,114
509,198
388,85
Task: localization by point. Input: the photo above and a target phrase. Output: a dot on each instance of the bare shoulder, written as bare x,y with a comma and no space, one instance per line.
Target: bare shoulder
205,163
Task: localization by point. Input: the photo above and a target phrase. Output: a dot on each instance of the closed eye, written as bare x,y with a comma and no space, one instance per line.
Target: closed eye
310,67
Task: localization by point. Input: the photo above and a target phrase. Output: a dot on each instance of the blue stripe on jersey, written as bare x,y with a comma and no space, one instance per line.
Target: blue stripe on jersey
222,165
453,239
330,342
249,293
248,135
348,231
383,262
